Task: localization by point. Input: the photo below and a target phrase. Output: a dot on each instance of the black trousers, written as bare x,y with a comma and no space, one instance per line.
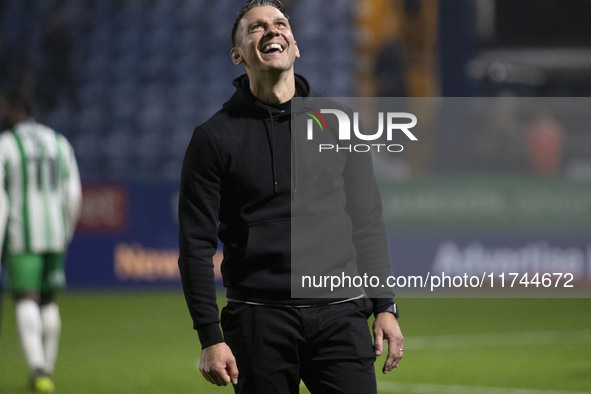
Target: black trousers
329,347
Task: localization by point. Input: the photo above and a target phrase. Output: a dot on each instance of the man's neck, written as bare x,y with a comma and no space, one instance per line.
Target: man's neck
18,120
273,88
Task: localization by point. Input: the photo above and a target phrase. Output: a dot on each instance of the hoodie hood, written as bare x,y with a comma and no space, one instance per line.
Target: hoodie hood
244,103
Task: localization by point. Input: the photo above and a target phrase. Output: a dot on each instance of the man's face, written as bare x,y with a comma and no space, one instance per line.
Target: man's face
264,41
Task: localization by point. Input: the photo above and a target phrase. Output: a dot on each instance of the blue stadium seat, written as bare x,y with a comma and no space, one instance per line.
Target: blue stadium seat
149,71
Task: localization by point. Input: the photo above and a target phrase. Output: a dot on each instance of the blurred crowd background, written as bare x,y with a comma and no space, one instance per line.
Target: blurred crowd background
127,80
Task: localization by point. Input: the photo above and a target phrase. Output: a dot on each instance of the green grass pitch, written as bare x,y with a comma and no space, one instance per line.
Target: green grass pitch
142,342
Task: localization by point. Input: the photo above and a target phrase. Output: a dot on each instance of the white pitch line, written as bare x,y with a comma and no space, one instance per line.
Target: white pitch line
423,388
523,338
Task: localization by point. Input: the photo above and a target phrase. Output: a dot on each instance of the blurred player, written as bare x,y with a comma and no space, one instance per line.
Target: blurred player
2,219
40,186
236,178
3,216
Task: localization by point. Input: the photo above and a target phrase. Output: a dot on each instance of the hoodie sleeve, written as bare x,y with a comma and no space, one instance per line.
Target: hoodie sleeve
370,238
199,202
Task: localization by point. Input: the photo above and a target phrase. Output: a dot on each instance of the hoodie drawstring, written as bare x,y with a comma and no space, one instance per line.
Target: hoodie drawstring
294,165
271,137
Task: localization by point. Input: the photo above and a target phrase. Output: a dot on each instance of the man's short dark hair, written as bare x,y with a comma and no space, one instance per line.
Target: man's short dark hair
249,5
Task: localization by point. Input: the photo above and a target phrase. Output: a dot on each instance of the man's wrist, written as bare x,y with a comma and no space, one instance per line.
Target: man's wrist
392,308
210,335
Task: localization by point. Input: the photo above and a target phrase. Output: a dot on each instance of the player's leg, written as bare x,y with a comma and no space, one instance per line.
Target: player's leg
24,280
53,282
50,318
340,356
1,295
30,329
25,272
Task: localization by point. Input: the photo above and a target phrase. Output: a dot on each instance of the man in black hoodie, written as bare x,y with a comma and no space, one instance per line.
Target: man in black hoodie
236,185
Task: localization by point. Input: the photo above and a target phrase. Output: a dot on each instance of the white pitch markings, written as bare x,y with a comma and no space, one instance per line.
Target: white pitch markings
524,338
423,388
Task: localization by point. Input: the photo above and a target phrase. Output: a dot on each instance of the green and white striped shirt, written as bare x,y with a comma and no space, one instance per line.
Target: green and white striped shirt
40,192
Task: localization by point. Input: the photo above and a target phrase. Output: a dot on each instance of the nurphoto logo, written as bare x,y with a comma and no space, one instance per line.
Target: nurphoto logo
390,122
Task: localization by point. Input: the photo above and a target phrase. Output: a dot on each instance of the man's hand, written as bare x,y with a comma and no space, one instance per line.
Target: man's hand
218,365
386,327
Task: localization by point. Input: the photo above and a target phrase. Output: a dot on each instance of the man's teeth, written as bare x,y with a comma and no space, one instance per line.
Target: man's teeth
269,47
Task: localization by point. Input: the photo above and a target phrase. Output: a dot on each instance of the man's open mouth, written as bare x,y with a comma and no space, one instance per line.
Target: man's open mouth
271,48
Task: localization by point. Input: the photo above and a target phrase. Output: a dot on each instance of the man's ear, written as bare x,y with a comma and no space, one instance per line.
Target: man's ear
236,55
297,54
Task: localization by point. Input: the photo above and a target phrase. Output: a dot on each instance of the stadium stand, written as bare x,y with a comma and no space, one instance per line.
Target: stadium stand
148,71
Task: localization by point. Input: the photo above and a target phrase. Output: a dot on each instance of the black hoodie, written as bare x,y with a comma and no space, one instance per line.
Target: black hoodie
239,184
